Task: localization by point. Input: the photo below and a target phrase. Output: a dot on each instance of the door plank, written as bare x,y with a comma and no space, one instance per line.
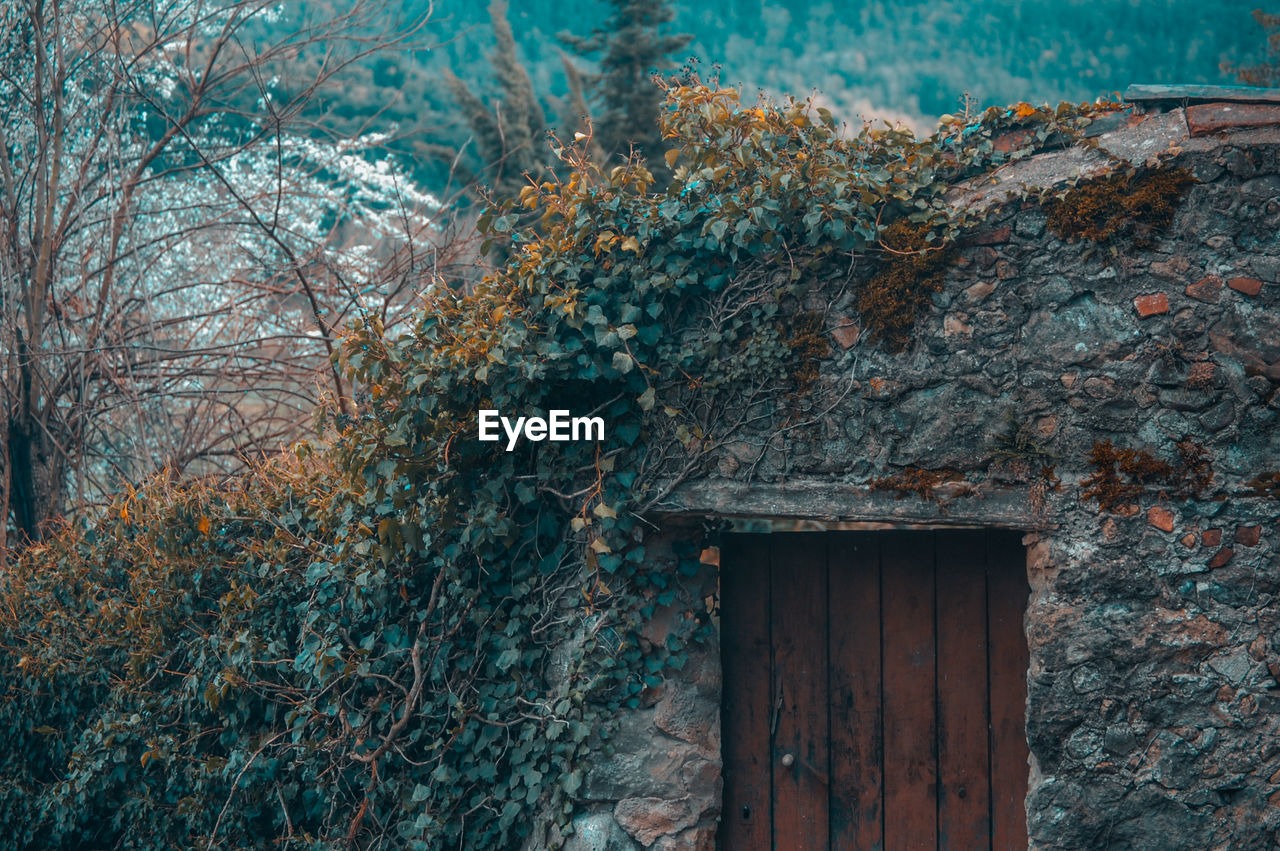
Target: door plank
1007,593
746,822
964,821
910,755
800,677
857,744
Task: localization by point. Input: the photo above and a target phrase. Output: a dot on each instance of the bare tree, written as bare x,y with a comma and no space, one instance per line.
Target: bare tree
178,243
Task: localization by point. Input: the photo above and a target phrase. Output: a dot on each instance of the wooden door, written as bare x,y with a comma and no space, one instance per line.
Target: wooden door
874,691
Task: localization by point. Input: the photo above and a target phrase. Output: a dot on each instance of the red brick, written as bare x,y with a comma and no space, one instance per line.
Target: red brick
1221,557
1211,537
1248,536
1151,304
1161,518
992,237
1206,118
1248,286
846,333
1206,289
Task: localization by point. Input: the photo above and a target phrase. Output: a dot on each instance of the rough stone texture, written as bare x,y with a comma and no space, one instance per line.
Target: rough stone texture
1153,713
598,832
648,818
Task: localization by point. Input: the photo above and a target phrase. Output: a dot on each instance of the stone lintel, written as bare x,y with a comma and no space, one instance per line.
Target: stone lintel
1155,95
817,505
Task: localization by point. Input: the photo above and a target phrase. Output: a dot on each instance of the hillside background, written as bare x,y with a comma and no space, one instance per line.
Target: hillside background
910,61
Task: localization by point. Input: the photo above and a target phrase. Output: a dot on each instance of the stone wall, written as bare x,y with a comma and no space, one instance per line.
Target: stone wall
1153,711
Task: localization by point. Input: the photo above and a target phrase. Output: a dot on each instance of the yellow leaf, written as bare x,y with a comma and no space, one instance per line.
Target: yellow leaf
204,525
671,156
599,546
631,244
1025,109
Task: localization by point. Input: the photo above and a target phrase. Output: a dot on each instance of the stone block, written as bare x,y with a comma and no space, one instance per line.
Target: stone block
846,332
1160,517
996,236
646,819
1248,536
1248,286
598,832
1173,269
1208,118
1207,289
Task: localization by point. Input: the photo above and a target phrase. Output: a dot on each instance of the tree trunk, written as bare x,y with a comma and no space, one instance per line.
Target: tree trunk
34,486
4,494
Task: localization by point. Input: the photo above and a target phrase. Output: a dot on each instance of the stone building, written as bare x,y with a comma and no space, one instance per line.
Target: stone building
1016,584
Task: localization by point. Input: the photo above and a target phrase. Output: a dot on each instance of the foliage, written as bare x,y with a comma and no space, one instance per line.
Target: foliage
177,250
1122,475
410,638
1123,204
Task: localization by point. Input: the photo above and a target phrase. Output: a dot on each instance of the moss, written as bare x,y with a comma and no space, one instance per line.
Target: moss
1265,485
1122,476
1126,204
1195,473
892,300
809,345
915,481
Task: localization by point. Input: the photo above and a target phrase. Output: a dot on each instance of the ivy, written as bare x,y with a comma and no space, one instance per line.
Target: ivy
408,637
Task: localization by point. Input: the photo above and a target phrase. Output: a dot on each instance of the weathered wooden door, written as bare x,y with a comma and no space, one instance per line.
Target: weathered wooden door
875,690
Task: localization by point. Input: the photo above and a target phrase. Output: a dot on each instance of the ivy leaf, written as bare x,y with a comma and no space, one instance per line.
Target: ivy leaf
646,399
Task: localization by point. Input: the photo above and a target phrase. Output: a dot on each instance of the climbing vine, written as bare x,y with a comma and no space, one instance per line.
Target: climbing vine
404,636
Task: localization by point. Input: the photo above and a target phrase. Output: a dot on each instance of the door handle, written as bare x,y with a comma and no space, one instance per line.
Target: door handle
790,759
